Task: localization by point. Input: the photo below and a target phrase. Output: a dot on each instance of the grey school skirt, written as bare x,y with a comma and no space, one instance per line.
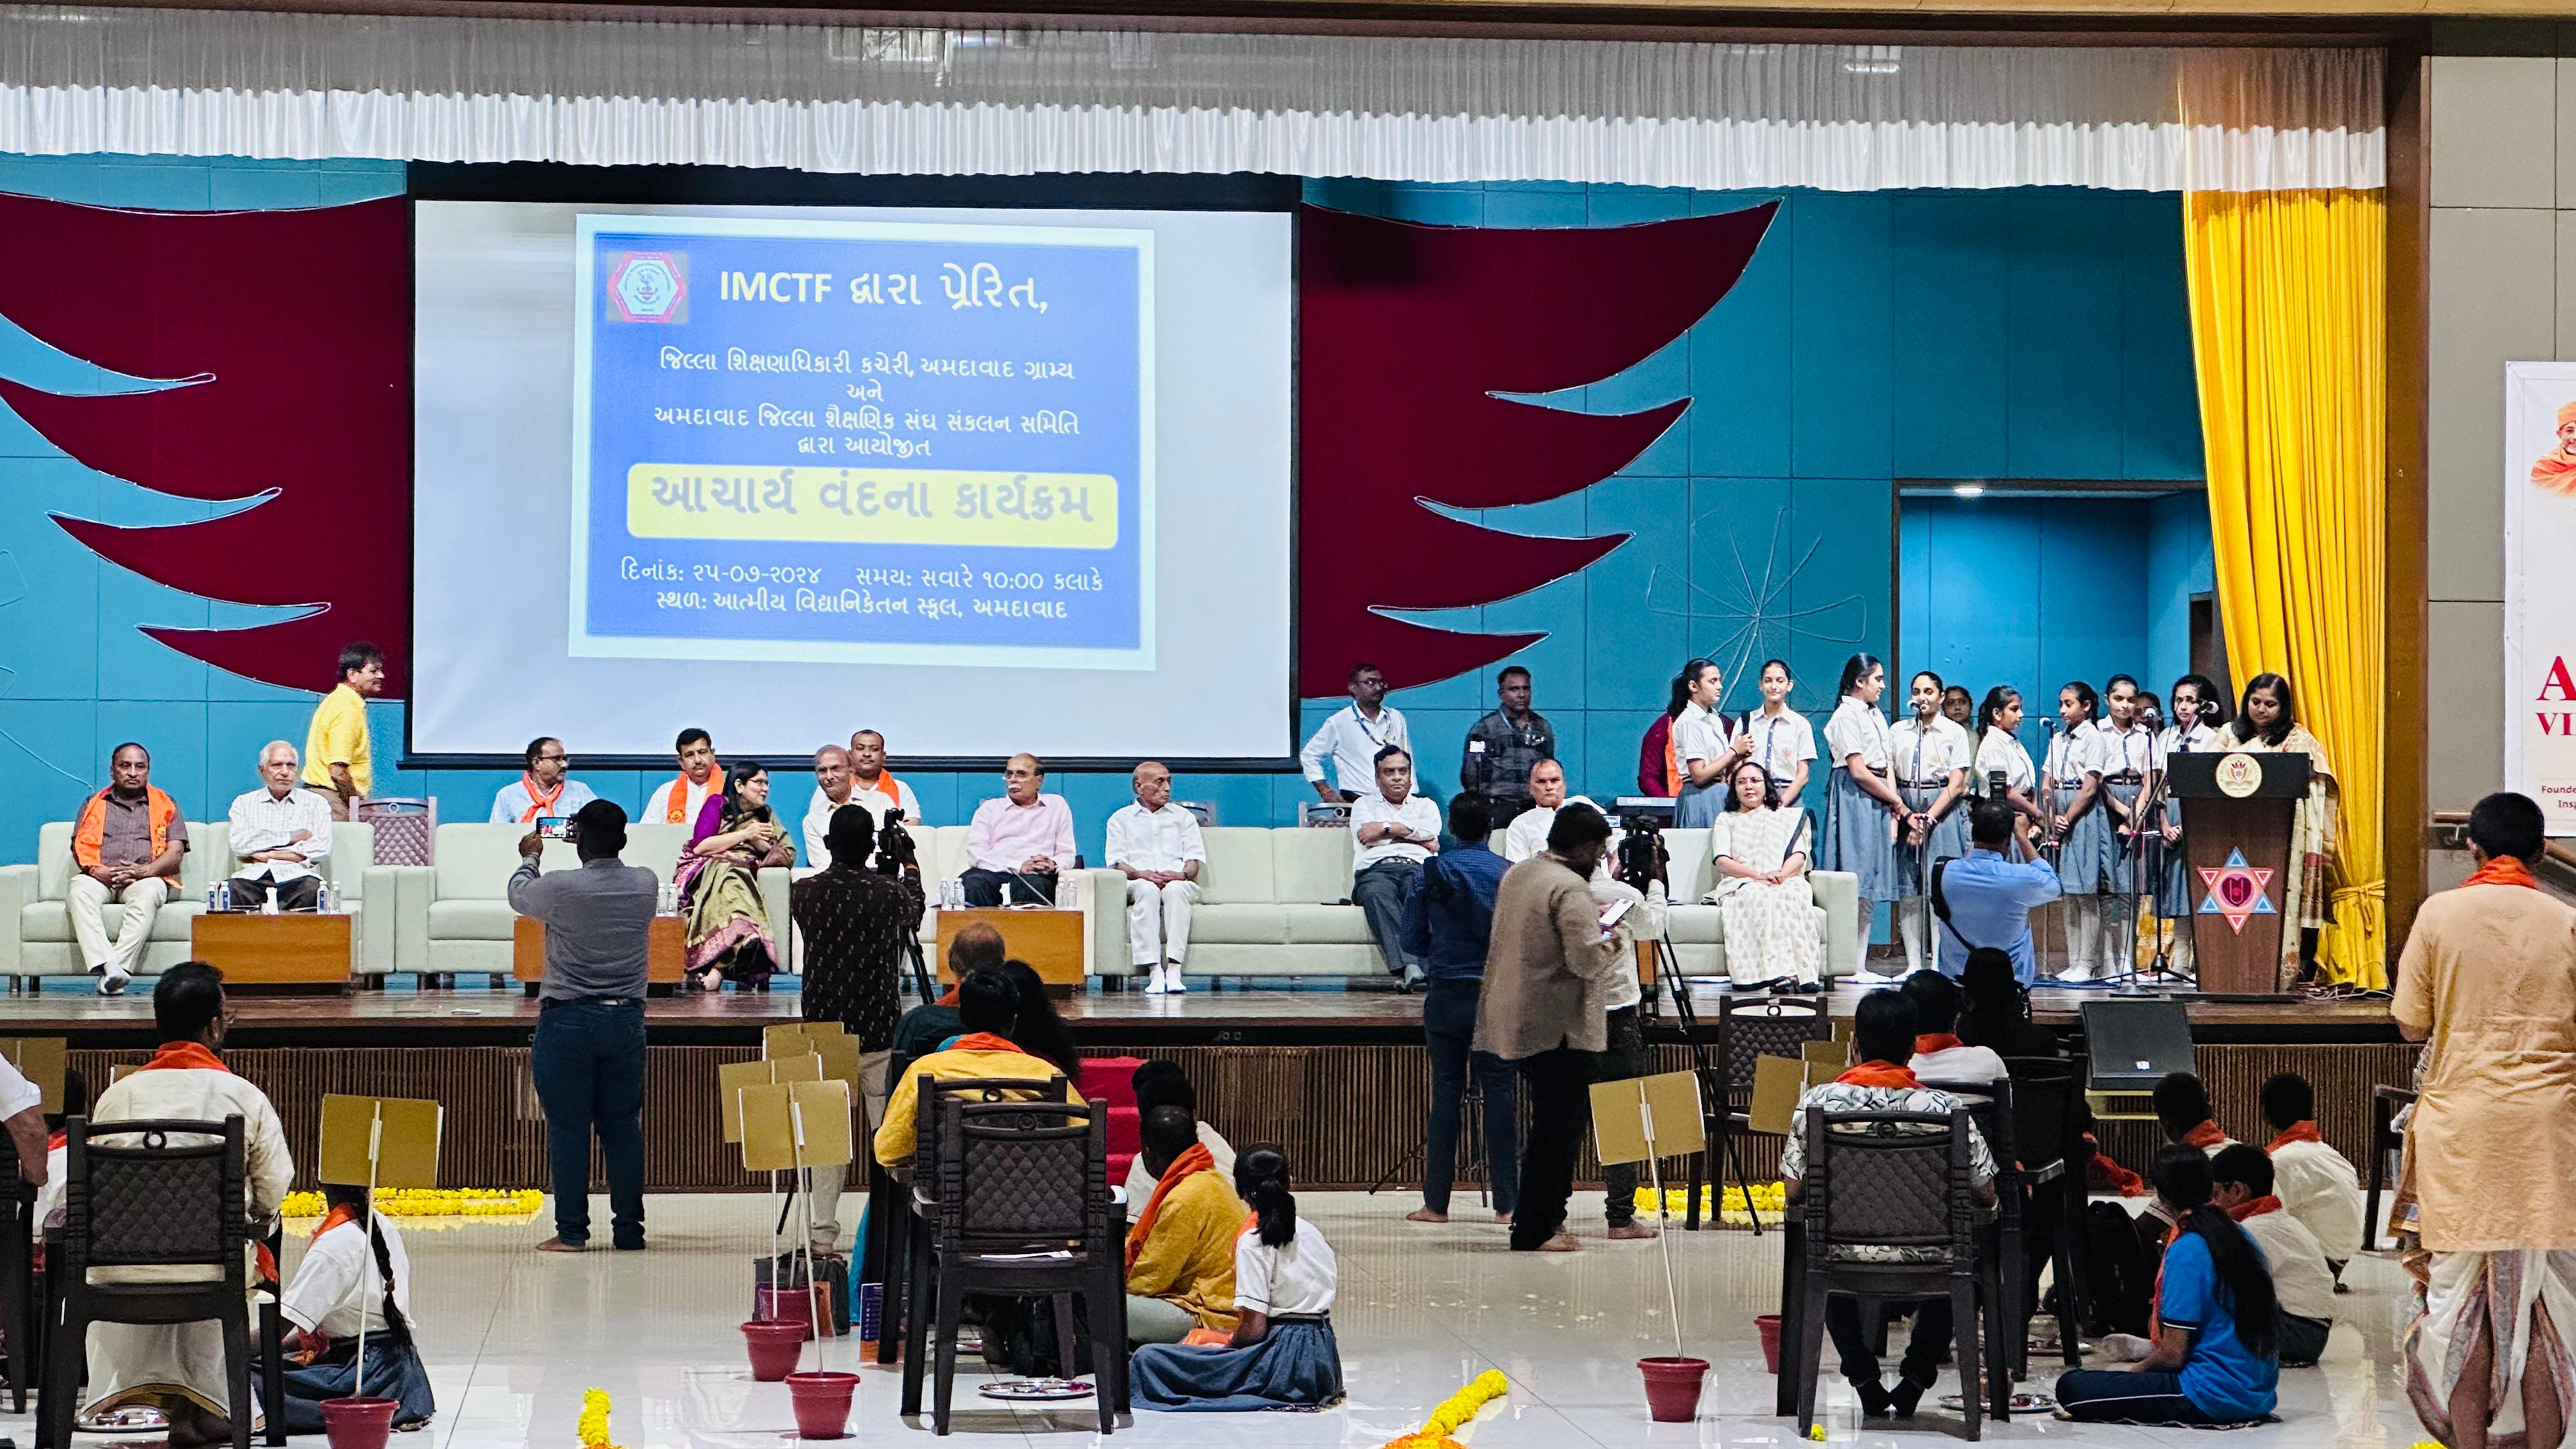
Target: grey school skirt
1857,840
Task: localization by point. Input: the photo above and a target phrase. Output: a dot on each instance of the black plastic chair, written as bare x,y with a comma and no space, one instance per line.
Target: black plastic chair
2048,1135
893,1204
1896,1180
157,1194
1748,1029
1020,1207
2385,1103
21,1293
1991,1106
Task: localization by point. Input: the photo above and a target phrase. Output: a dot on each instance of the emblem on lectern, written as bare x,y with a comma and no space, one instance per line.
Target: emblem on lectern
2235,889
2238,775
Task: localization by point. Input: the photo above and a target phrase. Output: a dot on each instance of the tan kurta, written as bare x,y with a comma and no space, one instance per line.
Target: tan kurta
2491,971
1547,967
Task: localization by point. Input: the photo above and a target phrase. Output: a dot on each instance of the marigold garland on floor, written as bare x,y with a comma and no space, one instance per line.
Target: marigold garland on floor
593,1427
431,1202
1769,1198
1454,1412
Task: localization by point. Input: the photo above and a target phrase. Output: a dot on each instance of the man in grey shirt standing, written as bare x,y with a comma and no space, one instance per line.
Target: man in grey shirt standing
588,1056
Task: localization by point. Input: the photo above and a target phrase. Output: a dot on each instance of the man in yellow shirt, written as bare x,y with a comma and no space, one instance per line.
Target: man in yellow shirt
987,1008
1180,1253
337,764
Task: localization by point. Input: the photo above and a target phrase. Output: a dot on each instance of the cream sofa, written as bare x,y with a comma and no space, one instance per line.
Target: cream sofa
35,910
457,916
1275,902
941,851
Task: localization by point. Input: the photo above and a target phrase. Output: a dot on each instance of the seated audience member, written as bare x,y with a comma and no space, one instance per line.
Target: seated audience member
279,832
544,791
1157,845
128,844
341,1283
678,800
736,838
831,792
1394,831
1282,1354
1882,1041
49,1198
2241,1180
1775,931
178,1368
1040,1031
1997,1010
977,947
856,923
1019,844
1527,834
2215,1356
1939,1054
1180,1252
1447,927
1158,1083
2317,1184
989,1010
2183,1111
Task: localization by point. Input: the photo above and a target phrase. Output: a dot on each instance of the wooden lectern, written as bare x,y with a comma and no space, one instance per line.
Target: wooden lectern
2237,808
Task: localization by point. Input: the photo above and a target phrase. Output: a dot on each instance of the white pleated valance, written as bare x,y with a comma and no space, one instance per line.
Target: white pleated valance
1026,100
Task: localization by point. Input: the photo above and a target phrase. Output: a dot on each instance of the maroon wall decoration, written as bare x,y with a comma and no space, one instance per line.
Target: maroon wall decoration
1405,334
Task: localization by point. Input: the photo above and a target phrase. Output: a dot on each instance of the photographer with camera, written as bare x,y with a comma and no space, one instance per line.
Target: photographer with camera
857,924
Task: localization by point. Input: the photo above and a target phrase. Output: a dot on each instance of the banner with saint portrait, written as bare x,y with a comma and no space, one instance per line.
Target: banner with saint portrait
2540,587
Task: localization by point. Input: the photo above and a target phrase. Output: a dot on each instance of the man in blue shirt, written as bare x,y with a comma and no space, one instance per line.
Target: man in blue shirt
1985,898
1447,924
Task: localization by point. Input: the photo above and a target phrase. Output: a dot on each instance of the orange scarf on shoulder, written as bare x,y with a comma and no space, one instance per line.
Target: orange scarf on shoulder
985,1041
1197,1159
2296,1132
339,1213
2503,870
2255,1207
677,812
1936,1041
2205,1136
184,1056
1879,1074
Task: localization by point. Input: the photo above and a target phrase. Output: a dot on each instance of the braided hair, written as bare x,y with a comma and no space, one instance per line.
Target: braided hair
2181,1177
1261,1179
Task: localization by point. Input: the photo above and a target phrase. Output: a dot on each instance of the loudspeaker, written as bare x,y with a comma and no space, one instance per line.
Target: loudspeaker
2135,1043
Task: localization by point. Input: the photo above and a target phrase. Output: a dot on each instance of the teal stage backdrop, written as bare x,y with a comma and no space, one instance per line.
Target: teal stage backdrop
1876,337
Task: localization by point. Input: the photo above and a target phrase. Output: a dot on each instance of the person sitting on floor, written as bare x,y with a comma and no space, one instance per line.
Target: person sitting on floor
1996,1012
179,1368
2241,1181
1939,1055
1282,1354
2216,1357
2183,1111
988,1008
343,1282
1883,1038
2317,1185
1180,1253
1159,1083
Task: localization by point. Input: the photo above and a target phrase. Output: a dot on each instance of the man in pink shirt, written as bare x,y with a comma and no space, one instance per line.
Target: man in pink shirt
1020,841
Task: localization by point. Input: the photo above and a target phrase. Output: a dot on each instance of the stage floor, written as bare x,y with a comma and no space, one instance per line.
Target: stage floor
1234,1016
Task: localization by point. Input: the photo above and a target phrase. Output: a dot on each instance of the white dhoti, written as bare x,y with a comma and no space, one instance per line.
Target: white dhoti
88,901
1158,922
2488,1361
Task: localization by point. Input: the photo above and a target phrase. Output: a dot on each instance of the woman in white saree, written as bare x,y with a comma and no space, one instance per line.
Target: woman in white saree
1775,931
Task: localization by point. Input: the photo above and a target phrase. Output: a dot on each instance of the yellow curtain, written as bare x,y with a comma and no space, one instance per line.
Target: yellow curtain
2289,326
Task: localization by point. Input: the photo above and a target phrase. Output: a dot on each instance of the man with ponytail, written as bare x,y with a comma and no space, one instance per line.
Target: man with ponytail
1282,1354
2488,979
2215,1355
1883,1041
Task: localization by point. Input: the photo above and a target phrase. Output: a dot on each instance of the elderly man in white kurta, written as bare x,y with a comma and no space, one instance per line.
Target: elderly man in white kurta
179,1368
1157,844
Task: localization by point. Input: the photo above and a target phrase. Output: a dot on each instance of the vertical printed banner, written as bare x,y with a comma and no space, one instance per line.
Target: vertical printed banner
2540,587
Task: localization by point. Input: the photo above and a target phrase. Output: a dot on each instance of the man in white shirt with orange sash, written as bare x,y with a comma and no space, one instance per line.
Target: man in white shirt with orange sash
855,776
127,844
678,800
544,792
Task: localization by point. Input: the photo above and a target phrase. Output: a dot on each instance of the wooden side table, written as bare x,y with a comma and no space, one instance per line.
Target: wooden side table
1048,938
666,952
292,950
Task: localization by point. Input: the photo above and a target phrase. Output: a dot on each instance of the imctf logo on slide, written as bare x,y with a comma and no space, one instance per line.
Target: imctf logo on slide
648,287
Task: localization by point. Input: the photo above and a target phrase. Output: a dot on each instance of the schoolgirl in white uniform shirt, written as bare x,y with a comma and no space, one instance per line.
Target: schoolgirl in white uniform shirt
2125,754
1862,807
1932,761
1782,739
2000,752
2194,731
2073,780
1706,744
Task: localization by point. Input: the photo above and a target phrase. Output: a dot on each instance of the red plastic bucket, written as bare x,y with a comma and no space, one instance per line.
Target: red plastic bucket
1768,1325
822,1403
358,1423
1672,1388
774,1347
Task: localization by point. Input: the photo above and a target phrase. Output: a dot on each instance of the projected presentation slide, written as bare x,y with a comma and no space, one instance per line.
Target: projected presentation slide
863,442
984,479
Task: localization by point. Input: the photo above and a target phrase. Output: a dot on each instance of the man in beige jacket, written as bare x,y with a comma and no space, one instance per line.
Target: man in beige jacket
1544,1008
